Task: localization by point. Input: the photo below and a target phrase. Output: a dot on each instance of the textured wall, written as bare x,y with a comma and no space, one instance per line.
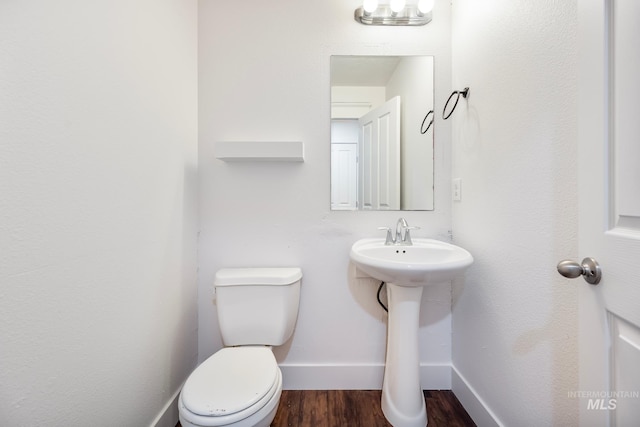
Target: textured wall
98,129
268,79
514,320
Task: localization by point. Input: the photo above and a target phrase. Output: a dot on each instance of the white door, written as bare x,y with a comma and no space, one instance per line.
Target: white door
344,176
609,168
379,162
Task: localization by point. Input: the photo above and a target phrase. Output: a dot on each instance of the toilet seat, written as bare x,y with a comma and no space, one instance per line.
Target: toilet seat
231,385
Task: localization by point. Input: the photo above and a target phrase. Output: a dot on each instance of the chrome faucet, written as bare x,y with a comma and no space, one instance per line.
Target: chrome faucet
402,237
402,232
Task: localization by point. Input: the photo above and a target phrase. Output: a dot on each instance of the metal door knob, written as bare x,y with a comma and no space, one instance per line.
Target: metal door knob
589,269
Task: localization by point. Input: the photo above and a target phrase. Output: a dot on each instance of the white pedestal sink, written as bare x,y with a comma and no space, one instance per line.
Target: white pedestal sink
406,271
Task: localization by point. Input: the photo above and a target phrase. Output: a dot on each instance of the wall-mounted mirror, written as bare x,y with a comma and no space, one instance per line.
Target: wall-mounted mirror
382,132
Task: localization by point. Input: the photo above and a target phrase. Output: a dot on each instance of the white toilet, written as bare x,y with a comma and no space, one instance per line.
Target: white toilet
240,385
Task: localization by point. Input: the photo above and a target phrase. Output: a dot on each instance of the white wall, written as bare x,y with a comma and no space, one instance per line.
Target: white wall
370,97
514,319
268,79
98,129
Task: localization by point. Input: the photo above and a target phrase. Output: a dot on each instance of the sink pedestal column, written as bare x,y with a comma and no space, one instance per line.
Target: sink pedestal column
402,397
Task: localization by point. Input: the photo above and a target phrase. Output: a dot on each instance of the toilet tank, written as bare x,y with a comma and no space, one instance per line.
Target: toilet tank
257,306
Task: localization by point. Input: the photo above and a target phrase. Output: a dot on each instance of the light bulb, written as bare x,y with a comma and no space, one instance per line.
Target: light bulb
425,6
397,5
369,5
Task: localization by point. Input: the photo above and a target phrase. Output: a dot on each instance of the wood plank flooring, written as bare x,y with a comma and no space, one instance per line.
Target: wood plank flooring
360,408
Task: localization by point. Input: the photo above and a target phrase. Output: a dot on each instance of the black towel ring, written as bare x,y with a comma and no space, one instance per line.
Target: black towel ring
422,129
464,93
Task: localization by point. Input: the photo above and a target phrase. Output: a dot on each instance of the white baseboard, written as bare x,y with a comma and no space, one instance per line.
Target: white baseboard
356,377
168,416
472,402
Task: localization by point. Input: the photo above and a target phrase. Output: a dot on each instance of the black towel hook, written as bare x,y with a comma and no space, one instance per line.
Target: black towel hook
464,93
422,129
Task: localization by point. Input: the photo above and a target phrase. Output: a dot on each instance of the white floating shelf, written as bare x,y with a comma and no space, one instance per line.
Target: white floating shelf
260,151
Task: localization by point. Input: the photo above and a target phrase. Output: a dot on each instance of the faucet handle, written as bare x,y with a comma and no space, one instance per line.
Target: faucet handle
389,240
407,235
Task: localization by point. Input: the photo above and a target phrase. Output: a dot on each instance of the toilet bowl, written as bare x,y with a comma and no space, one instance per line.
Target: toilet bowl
240,386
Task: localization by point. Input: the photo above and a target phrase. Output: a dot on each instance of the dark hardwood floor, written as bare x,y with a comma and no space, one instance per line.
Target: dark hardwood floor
359,408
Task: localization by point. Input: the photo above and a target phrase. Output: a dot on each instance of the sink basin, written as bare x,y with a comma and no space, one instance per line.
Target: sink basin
425,262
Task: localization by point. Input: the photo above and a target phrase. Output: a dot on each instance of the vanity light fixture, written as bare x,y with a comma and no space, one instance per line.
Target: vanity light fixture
396,12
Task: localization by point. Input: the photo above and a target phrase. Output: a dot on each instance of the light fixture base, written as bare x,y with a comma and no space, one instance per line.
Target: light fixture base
383,15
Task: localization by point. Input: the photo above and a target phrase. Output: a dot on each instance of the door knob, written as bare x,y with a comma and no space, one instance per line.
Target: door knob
589,269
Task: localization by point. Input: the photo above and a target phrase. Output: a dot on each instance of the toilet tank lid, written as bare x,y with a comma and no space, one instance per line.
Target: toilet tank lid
257,276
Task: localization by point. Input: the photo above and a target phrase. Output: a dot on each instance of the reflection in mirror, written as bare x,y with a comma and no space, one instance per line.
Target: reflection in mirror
381,141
